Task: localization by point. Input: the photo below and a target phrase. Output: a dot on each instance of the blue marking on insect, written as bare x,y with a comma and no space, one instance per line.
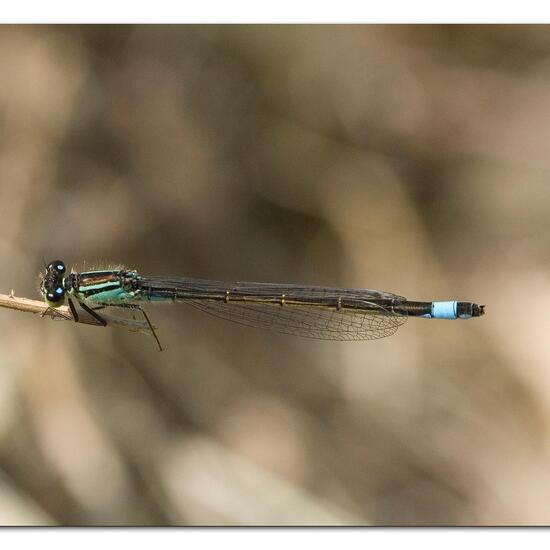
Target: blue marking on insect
111,296
59,291
444,310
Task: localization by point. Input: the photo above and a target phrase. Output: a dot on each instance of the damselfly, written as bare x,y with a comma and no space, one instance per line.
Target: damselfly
310,311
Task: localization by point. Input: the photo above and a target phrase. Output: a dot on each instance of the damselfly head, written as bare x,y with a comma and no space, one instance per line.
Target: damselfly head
51,285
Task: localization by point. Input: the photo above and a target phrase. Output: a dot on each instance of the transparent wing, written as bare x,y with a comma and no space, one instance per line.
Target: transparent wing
327,313
307,320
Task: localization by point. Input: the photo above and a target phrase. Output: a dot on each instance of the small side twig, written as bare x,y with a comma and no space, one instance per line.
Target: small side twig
63,312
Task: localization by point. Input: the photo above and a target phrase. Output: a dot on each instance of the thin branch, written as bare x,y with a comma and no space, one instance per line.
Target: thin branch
63,312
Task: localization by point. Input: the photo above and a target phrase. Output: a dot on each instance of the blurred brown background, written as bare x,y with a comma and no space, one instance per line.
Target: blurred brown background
413,159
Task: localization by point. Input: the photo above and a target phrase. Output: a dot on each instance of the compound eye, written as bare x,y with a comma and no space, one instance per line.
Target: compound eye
57,296
57,266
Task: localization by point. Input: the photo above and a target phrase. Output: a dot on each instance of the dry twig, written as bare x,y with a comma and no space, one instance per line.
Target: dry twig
63,312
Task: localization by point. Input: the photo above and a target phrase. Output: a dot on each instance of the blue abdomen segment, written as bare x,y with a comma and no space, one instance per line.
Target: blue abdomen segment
444,310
